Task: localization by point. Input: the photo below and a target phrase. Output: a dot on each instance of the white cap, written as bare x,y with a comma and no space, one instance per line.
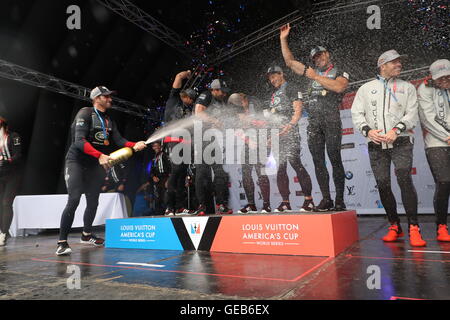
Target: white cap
440,68
389,56
101,91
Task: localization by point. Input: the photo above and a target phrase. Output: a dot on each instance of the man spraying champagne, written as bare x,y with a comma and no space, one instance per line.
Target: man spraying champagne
93,131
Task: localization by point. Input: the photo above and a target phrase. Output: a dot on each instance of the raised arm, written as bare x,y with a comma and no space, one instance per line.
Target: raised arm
294,65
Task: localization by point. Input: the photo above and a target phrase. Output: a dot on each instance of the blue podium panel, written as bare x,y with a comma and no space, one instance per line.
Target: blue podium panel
142,233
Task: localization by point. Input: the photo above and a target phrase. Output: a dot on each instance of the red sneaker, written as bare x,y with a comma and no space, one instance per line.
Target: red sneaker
393,234
415,239
442,233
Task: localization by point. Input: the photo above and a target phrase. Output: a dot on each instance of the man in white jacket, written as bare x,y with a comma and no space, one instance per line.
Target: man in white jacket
385,111
434,113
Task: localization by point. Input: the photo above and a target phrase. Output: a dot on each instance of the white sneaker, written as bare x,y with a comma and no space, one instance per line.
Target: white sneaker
2,239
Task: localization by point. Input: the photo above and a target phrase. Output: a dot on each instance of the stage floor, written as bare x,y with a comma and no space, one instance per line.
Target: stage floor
30,270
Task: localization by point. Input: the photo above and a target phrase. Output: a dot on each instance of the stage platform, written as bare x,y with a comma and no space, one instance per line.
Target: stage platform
296,233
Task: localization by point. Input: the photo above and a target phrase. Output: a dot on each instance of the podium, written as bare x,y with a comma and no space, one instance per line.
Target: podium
305,234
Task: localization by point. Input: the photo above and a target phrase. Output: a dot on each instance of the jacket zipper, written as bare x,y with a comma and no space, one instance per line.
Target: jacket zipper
384,106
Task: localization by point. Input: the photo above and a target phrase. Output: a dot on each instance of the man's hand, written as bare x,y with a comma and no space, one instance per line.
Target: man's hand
390,137
121,188
185,74
284,31
285,130
104,161
375,137
140,146
311,74
448,140
155,179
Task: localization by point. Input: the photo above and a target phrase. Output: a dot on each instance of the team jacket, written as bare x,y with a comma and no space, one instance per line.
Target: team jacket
434,114
386,104
10,152
88,140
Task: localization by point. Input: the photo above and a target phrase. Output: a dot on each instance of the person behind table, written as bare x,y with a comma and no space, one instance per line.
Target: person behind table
10,174
434,114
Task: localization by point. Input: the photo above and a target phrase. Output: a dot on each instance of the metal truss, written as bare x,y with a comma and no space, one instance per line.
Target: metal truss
149,24
15,72
323,9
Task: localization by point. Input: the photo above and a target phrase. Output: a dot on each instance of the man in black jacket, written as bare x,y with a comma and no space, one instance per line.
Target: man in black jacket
87,164
10,160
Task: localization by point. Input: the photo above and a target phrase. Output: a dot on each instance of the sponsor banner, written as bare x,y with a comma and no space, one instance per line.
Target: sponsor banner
286,234
142,233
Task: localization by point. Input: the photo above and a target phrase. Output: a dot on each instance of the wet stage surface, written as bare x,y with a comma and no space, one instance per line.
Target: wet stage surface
30,270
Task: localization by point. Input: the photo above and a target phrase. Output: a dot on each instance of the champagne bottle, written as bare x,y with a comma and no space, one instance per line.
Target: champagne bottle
120,156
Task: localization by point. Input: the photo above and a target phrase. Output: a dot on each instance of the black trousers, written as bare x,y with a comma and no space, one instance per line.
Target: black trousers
176,192
439,161
402,157
205,187
81,178
9,186
289,152
327,134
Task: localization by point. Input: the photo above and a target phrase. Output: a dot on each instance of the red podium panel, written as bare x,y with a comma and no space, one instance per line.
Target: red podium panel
289,234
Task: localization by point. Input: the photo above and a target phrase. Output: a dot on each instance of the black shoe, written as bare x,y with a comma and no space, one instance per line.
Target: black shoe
91,239
325,205
339,205
201,211
284,207
223,209
308,206
266,208
250,208
63,249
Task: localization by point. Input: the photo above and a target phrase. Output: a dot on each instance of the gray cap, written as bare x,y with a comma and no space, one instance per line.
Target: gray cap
101,91
440,68
236,99
389,56
316,50
275,69
219,84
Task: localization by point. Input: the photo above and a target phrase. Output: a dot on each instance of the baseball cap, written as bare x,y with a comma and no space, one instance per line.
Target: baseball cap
191,93
389,56
101,91
440,68
236,99
316,50
275,69
219,84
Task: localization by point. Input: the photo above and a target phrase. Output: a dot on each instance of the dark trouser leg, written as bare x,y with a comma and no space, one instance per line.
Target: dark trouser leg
74,183
316,144
402,156
380,161
283,180
333,138
203,183
264,183
294,159
176,186
247,181
221,180
94,177
8,190
439,161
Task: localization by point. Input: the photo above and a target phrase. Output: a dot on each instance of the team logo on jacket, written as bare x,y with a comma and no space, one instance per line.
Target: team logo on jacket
100,136
374,92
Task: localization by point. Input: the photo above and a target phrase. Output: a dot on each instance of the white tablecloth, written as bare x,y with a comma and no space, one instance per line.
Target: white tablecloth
44,211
